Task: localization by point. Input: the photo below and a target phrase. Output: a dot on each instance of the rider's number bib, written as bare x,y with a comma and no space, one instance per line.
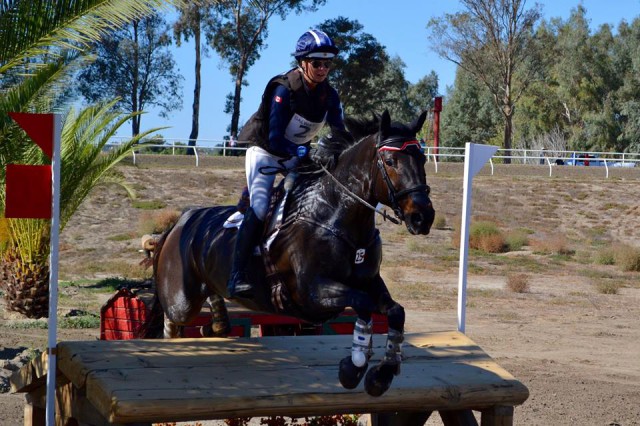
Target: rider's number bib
300,130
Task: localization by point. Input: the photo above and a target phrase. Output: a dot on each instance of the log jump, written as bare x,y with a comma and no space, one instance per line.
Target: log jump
145,381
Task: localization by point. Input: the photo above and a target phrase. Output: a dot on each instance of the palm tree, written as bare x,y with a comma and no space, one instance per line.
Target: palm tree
41,45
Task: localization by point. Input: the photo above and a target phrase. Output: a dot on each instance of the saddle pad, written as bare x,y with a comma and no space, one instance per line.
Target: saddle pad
233,221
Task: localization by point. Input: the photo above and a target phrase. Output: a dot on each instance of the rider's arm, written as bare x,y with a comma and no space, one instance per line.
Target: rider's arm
279,118
335,115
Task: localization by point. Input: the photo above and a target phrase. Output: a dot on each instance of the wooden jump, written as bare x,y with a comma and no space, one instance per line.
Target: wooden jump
144,381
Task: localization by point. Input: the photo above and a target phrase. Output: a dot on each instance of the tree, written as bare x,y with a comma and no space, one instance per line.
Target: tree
36,57
469,114
194,19
135,65
239,34
491,40
362,60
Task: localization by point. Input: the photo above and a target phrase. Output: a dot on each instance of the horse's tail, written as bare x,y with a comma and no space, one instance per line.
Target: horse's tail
154,328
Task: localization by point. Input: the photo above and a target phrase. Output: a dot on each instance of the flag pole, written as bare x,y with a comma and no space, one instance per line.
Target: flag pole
53,272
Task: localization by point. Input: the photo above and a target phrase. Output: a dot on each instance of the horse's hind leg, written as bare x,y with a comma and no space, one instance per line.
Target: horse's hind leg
220,325
171,329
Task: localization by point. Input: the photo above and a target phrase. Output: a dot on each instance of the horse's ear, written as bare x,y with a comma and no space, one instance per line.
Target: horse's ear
416,126
385,123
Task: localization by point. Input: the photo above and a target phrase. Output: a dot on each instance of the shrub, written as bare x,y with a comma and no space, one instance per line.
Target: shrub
157,222
606,256
518,283
487,237
557,244
440,222
608,287
516,240
628,258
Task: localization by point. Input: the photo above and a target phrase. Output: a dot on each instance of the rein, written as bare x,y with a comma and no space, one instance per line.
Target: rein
361,200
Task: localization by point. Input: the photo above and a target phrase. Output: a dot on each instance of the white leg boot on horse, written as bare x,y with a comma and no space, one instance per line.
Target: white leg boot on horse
353,368
247,238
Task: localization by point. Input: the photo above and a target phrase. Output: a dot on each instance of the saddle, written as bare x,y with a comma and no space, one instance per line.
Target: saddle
274,221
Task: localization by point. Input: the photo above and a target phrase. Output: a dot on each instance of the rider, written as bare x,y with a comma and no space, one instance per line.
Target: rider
295,105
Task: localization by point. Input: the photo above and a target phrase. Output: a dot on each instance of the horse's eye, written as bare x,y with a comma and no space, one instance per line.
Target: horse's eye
390,161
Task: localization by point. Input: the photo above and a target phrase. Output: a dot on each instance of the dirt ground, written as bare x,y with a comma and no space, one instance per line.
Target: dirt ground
575,347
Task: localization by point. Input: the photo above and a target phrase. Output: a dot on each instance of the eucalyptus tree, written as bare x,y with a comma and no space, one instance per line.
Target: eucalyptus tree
491,40
37,45
361,67
195,19
135,65
239,35
469,114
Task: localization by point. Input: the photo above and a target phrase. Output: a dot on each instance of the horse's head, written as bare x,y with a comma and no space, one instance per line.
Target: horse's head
401,182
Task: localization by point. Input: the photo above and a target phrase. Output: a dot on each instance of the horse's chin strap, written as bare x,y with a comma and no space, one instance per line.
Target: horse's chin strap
384,214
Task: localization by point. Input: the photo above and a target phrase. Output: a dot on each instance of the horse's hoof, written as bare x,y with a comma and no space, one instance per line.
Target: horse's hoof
379,379
221,328
350,375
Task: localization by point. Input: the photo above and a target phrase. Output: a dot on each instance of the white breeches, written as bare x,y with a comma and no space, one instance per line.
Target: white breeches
259,184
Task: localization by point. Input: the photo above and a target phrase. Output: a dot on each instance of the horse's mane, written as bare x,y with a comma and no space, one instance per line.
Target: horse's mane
331,146
337,141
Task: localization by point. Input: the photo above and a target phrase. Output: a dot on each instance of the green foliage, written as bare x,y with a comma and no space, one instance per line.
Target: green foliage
486,236
238,35
134,65
469,114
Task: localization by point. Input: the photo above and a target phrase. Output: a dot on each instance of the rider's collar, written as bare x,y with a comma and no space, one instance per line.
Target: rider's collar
398,143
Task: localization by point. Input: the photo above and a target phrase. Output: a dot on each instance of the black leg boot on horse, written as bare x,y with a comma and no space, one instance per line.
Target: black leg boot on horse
248,237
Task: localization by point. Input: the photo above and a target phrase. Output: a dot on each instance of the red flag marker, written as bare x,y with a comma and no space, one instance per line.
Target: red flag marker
39,127
28,192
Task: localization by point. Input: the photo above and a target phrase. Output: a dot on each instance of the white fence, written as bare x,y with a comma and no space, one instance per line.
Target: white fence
548,158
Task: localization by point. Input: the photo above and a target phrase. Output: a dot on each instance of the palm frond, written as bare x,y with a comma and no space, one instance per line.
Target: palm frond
32,28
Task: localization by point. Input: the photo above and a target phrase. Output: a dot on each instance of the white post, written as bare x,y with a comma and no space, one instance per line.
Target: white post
475,156
53,272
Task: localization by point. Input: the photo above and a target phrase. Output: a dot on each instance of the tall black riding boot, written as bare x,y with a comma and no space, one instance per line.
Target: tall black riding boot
247,238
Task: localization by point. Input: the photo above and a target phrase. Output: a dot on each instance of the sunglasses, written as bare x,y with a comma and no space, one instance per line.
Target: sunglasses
324,64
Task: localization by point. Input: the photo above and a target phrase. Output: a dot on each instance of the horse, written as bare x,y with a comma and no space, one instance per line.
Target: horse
324,253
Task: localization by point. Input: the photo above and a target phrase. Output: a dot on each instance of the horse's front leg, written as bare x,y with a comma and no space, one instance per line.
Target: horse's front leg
379,377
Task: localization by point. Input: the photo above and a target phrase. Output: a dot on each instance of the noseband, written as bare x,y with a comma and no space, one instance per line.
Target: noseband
398,143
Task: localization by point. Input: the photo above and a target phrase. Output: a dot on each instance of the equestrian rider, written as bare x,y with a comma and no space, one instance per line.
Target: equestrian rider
295,105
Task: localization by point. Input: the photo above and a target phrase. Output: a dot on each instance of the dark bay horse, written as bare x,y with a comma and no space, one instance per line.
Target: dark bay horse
325,253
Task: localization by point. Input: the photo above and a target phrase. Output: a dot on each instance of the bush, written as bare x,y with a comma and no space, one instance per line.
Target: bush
516,240
557,244
157,222
487,237
608,287
628,258
440,222
518,283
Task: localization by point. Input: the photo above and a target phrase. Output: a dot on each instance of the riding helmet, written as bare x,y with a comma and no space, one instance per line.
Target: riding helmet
315,44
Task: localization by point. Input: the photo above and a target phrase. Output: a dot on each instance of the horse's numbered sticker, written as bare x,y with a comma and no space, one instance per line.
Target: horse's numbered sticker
360,256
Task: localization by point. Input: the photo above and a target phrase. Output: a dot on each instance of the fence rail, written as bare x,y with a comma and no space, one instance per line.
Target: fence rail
548,158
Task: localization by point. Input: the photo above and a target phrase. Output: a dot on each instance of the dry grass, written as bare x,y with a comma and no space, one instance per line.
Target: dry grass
158,221
557,244
518,283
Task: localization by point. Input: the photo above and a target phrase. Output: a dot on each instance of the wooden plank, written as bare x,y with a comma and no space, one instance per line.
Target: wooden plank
31,375
497,416
197,379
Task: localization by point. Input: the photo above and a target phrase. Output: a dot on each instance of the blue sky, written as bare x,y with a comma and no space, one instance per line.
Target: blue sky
401,29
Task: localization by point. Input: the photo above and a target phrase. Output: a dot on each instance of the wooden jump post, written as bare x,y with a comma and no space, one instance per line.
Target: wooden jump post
144,381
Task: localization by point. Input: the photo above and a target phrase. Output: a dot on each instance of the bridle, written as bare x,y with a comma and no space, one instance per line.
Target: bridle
397,143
